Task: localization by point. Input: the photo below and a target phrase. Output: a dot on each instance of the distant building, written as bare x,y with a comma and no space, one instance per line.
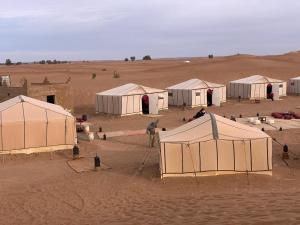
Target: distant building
56,93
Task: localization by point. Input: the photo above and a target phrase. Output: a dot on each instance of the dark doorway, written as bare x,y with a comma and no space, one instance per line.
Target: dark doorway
269,91
209,97
51,99
145,104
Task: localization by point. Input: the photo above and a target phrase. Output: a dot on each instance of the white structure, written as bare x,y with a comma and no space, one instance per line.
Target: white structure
294,85
196,92
30,126
213,145
131,99
255,87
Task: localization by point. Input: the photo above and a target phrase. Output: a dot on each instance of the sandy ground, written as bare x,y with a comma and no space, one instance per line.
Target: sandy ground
43,189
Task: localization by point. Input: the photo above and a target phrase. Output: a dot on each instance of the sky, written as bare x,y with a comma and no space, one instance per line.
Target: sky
33,30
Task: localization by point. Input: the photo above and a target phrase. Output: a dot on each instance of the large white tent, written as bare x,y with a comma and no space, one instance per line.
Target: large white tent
129,99
256,87
29,125
196,92
294,85
213,145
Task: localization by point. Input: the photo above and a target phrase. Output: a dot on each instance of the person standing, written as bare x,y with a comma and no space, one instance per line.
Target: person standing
151,132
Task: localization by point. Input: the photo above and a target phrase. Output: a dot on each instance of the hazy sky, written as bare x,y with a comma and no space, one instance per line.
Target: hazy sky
114,29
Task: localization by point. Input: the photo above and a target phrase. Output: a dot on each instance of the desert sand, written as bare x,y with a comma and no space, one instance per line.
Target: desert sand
43,189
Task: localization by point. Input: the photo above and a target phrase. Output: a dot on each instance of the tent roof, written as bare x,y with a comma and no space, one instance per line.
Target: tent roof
21,98
195,84
296,78
256,79
210,127
130,89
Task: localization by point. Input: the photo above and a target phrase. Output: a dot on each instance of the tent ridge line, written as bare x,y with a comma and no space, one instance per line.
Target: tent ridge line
214,126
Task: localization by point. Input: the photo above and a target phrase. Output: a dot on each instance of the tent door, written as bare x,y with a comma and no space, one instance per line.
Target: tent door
216,98
209,95
153,104
145,104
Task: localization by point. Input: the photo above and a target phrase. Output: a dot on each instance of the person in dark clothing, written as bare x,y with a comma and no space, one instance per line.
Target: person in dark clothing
199,114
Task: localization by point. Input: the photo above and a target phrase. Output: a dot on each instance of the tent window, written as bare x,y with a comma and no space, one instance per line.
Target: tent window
280,85
198,93
160,97
170,94
292,84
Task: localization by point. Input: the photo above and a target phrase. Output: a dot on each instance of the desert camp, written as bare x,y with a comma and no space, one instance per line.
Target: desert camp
131,99
195,92
149,112
257,87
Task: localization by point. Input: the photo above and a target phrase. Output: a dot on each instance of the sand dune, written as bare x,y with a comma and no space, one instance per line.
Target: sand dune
40,189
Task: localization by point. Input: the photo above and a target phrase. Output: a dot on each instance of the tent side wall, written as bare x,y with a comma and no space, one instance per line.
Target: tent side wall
294,86
236,89
216,157
26,128
109,104
131,104
178,97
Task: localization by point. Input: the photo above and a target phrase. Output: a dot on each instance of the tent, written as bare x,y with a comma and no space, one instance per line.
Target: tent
131,99
213,145
196,92
29,125
256,87
294,85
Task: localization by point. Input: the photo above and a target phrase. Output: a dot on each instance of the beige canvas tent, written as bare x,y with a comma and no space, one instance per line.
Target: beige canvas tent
196,92
29,125
131,99
256,87
294,85
213,145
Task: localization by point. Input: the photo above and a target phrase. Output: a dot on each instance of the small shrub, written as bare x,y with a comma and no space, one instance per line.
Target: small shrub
211,56
8,62
132,58
116,75
104,69
94,75
126,59
19,63
147,57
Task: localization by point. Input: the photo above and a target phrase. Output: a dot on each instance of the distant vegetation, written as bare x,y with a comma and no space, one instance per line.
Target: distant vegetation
147,57
116,75
211,56
126,59
8,62
50,62
132,58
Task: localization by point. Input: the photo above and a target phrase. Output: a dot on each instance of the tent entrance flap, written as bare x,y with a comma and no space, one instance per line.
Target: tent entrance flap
153,104
276,92
216,98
